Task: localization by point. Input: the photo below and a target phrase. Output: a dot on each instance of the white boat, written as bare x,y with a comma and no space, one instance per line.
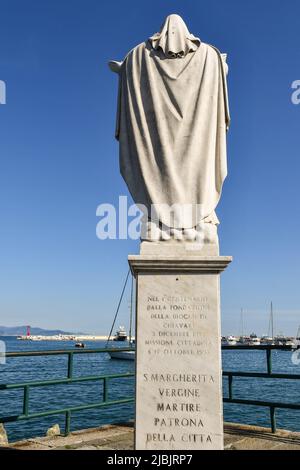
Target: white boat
267,340
121,334
123,355
230,341
244,340
291,343
254,340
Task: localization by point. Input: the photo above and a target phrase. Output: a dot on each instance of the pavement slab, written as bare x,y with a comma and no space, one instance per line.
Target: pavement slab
120,437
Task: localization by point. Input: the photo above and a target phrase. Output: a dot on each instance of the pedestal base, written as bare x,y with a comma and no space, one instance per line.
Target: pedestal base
178,352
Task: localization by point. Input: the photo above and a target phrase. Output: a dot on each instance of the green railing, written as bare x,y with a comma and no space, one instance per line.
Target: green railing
263,375
68,411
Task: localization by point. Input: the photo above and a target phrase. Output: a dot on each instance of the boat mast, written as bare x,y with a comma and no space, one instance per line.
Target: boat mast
272,320
131,310
118,308
242,321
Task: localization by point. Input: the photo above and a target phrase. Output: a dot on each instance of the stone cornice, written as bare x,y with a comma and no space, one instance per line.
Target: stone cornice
171,264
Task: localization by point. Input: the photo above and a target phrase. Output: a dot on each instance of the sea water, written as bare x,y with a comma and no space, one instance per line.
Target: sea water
26,369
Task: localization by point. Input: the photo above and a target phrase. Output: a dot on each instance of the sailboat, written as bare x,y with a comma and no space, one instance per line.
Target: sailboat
124,355
269,339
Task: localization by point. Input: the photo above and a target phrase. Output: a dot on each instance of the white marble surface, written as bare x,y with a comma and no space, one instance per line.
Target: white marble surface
178,365
172,119
179,249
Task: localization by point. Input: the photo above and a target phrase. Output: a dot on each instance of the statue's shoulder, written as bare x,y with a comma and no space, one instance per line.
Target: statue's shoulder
137,50
211,49
217,56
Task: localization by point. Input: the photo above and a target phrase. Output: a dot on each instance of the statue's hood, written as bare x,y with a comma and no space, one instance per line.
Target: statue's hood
174,38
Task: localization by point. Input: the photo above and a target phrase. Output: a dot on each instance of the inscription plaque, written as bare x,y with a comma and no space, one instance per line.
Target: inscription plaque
178,364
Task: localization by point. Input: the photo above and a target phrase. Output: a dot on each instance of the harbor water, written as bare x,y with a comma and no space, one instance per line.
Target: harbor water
26,369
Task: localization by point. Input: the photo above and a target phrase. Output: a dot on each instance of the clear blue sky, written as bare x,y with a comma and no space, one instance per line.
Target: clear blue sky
59,159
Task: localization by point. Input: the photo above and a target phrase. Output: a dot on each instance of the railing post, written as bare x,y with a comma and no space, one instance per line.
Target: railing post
269,360
26,400
273,419
70,365
68,423
105,389
230,386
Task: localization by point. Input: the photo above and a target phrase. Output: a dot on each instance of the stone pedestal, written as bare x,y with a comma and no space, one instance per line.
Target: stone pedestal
178,352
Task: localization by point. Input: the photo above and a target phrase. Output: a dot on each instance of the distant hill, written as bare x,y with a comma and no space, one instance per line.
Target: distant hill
21,330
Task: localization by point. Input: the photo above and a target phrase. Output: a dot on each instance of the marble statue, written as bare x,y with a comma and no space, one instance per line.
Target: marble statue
172,118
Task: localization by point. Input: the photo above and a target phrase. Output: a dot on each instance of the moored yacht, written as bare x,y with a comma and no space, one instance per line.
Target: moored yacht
267,340
254,340
121,334
229,341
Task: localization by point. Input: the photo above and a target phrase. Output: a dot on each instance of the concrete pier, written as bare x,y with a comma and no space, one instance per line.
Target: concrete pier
121,437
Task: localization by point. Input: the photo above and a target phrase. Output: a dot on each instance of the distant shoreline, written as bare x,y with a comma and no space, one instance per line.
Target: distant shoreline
58,337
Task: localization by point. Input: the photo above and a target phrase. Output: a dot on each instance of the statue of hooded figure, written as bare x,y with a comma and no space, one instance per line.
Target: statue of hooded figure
172,119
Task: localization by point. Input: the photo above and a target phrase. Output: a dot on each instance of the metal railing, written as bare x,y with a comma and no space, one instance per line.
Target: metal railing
263,375
68,411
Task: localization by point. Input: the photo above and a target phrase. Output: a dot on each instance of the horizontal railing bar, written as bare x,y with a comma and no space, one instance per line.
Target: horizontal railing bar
66,380
261,375
87,378
261,347
60,352
7,419
291,406
106,350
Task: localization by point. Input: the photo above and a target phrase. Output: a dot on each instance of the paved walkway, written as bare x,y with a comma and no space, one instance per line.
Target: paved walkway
120,437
